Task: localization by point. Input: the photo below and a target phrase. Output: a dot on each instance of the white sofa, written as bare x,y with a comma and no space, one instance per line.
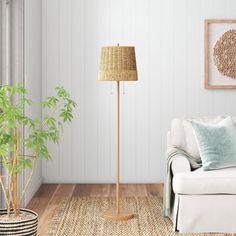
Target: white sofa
204,201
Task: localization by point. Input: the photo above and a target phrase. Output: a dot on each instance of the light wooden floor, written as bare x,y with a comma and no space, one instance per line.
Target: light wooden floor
46,200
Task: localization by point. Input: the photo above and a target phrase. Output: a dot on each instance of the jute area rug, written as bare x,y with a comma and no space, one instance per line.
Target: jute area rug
82,217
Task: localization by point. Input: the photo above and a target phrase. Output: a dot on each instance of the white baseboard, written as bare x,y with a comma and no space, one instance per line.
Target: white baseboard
62,180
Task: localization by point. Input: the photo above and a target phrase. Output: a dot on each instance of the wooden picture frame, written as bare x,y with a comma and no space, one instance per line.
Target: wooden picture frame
210,70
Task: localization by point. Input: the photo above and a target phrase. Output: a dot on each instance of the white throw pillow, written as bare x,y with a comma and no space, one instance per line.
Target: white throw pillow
177,134
191,146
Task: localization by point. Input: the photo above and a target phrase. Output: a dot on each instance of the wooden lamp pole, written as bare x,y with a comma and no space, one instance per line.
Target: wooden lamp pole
118,149
118,64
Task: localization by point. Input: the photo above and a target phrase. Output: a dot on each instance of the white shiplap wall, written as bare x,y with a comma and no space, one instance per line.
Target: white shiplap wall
33,75
168,36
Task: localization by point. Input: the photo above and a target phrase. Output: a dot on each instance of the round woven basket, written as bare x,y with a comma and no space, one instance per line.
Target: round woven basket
19,228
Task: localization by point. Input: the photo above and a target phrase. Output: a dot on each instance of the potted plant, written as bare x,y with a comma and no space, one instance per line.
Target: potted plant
58,109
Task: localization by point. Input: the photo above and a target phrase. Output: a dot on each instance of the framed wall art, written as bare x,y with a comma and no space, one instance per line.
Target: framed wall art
220,54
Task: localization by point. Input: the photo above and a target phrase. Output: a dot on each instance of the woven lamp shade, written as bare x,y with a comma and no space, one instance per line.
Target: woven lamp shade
118,63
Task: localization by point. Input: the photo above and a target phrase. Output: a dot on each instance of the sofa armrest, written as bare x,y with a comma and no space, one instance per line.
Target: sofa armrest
180,164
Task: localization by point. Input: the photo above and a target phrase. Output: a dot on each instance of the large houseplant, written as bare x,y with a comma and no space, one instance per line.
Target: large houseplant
37,133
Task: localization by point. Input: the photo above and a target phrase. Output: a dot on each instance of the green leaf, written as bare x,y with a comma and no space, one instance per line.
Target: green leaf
58,110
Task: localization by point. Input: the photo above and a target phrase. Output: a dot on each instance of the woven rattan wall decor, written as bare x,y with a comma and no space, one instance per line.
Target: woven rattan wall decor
220,54
225,54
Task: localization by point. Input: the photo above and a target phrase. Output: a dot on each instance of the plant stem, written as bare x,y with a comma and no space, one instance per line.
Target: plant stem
5,195
27,183
33,168
15,200
9,195
27,156
13,175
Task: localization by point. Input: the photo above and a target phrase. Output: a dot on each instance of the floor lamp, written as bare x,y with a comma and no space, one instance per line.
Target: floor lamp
118,63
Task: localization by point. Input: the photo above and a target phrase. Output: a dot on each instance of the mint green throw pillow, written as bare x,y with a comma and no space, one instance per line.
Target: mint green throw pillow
217,143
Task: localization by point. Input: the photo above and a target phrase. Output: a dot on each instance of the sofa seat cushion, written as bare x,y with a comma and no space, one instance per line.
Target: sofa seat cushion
221,181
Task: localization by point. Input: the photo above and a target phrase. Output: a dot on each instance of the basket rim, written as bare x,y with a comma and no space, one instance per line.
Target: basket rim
35,214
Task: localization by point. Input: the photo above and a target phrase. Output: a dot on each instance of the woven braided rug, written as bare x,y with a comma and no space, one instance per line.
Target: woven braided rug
82,217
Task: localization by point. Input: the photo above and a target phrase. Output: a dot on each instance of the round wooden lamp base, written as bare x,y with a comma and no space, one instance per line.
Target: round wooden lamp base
112,215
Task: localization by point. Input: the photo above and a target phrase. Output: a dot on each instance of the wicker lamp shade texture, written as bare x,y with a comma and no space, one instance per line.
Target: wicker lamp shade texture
118,63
